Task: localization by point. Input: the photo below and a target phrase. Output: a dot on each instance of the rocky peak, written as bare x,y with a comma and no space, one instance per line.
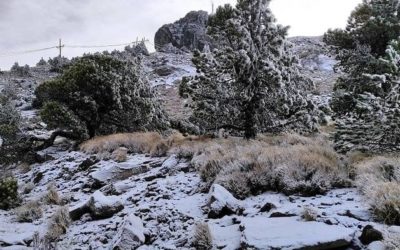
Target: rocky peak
186,33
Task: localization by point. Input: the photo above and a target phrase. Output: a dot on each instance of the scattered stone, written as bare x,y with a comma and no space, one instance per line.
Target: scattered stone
130,235
222,203
86,164
267,207
288,233
280,215
370,234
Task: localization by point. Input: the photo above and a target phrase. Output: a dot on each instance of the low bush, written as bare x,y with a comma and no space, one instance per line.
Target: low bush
290,164
29,212
202,237
59,224
379,179
9,197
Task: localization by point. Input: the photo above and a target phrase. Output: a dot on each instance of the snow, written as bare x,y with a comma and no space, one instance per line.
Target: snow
288,233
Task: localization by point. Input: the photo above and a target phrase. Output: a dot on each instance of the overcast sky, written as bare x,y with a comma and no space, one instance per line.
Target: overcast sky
35,24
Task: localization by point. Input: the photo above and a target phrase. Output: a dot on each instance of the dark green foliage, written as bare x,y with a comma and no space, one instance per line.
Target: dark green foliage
42,62
96,95
21,71
251,82
9,123
58,64
8,193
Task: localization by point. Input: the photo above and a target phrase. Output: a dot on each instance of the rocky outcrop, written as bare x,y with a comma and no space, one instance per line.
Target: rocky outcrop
187,33
130,234
370,234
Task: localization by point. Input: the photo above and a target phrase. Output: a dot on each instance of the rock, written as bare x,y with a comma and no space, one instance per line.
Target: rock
99,206
376,245
102,207
165,70
78,211
267,207
288,233
86,164
189,32
280,215
370,234
109,173
222,203
130,235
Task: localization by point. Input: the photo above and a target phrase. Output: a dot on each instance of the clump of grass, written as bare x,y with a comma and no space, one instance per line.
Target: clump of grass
146,143
52,197
29,212
202,237
120,154
59,224
379,179
290,164
309,214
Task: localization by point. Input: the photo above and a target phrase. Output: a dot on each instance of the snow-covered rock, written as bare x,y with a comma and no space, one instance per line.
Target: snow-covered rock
131,234
102,206
222,202
288,233
99,206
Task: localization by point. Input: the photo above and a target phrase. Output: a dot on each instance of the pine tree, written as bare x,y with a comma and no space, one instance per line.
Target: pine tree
366,99
251,83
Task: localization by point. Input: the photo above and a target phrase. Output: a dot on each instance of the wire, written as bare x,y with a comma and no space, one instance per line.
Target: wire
70,46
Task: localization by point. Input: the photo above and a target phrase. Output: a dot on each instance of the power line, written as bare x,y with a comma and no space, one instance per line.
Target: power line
61,46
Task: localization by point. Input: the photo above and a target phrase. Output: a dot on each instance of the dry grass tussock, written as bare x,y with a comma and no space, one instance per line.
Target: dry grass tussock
379,179
58,224
288,163
29,212
145,143
202,238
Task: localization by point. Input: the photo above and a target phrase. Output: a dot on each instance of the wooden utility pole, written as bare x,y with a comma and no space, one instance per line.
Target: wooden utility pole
60,46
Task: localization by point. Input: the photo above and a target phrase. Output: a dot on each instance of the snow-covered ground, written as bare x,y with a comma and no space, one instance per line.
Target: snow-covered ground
167,195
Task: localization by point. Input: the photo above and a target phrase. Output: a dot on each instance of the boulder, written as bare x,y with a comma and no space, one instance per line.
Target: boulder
189,32
99,206
289,233
102,207
370,234
222,203
130,235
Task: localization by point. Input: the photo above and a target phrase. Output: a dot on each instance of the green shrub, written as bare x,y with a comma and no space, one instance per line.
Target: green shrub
8,193
97,95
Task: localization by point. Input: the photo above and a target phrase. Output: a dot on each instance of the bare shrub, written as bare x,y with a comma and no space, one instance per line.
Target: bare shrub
59,224
379,179
120,154
202,239
29,212
28,188
309,214
52,197
290,163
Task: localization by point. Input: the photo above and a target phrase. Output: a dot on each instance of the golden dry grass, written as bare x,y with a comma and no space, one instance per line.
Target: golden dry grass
289,163
379,179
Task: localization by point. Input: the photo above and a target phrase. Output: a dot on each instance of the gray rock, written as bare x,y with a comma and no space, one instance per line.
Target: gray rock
102,207
370,234
99,206
222,203
189,32
289,233
130,235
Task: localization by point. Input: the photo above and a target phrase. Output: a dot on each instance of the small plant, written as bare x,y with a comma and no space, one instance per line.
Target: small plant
59,224
202,238
29,212
52,196
28,188
120,154
8,193
21,71
309,214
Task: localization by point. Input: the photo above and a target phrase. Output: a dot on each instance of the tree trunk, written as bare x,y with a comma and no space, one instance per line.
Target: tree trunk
250,123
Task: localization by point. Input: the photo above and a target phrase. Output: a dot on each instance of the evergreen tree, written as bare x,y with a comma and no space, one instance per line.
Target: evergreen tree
251,82
365,100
